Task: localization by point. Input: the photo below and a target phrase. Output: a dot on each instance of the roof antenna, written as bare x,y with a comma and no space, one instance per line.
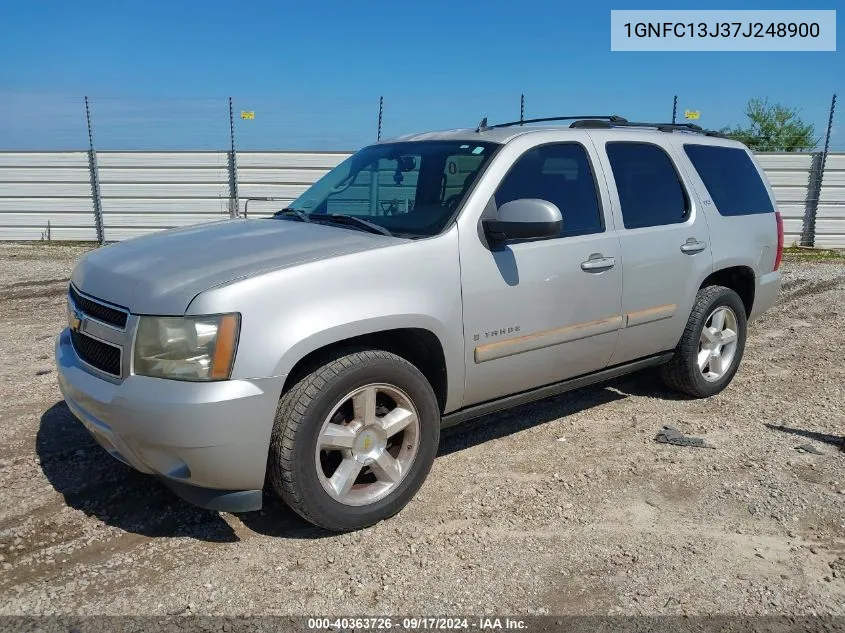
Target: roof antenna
482,126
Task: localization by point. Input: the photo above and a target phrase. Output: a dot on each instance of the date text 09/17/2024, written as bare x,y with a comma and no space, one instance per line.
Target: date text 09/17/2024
420,623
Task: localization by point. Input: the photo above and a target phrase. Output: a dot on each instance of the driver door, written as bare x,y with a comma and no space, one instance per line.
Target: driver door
539,311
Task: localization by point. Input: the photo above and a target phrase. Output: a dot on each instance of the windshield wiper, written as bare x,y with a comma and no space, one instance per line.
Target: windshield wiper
341,218
288,210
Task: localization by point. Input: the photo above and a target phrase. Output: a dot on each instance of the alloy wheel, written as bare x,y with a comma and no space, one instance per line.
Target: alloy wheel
367,444
718,343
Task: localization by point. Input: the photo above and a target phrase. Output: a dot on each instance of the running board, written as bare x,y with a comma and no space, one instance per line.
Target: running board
557,388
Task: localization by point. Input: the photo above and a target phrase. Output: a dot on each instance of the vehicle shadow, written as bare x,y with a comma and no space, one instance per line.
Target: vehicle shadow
834,440
508,422
646,383
278,520
103,488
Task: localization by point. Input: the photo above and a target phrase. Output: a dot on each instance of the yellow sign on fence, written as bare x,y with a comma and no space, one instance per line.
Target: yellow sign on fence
692,114
247,115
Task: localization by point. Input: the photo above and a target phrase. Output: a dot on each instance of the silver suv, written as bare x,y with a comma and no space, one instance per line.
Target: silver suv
426,280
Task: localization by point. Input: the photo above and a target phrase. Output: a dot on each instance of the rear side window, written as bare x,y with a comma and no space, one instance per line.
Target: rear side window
650,190
731,179
560,173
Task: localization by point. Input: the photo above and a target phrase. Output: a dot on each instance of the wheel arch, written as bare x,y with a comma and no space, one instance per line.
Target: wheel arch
420,346
740,279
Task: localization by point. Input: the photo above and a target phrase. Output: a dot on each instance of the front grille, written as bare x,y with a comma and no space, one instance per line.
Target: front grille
98,310
101,355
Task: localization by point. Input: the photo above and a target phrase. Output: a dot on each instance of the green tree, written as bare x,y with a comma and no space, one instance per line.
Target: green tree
773,128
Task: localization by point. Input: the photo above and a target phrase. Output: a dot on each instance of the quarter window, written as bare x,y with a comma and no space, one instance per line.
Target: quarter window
731,179
562,175
650,190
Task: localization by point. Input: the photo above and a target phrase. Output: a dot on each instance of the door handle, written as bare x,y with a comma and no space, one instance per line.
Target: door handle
597,263
693,246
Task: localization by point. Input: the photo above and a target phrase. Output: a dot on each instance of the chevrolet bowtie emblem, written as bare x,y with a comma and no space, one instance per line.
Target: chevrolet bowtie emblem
74,318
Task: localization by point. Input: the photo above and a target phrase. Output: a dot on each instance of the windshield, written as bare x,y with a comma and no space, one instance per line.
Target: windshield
411,189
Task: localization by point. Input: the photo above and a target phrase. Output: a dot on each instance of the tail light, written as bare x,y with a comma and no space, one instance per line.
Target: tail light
779,222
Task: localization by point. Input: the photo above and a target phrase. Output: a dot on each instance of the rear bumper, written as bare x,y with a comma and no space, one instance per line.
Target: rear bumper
766,293
207,441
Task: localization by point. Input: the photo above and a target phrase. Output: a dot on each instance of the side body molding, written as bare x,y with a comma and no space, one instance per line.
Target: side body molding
547,338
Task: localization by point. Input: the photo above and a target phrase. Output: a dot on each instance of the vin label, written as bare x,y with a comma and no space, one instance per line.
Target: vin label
710,30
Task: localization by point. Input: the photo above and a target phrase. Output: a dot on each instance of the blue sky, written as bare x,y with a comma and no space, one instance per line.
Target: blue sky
159,73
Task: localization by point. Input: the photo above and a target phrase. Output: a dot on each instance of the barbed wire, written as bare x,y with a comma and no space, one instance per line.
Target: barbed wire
31,122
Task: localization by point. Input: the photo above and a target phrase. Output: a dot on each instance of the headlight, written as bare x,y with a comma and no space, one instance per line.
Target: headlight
186,348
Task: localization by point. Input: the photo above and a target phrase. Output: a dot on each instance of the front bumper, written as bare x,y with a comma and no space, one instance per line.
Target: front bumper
207,441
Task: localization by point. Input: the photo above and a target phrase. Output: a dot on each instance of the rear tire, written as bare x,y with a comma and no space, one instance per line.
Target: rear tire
354,440
708,355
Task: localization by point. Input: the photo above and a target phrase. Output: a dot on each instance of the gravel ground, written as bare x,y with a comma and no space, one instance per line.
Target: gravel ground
565,506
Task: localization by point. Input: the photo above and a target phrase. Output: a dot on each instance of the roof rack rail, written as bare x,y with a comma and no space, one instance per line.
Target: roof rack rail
608,117
662,127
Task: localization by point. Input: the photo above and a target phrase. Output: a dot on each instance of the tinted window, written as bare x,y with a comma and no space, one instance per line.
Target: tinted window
562,175
460,172
731,179
412,189
650,190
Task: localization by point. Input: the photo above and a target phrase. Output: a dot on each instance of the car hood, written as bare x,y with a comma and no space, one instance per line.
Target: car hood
161,273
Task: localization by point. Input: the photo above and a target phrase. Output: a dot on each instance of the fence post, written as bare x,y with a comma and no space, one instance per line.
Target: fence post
380,112
94,176
811,203
814,190
521,108
674,109
234,202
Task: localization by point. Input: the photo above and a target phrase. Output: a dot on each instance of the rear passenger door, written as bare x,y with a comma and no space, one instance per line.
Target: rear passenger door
739,207
664,240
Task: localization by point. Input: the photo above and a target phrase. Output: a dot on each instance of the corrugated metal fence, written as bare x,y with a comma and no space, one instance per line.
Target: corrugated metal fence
830,218
47,195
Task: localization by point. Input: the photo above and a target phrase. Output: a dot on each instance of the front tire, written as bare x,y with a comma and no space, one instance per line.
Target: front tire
708,355
354,440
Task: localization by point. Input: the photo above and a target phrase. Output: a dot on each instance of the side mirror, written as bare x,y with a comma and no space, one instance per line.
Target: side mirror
406,163
524,219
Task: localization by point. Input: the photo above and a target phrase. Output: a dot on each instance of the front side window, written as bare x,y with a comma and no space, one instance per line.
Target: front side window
731,179
411,189
561,174
650,190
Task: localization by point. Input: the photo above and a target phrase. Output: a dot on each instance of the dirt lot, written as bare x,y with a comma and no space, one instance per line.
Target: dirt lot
565,506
